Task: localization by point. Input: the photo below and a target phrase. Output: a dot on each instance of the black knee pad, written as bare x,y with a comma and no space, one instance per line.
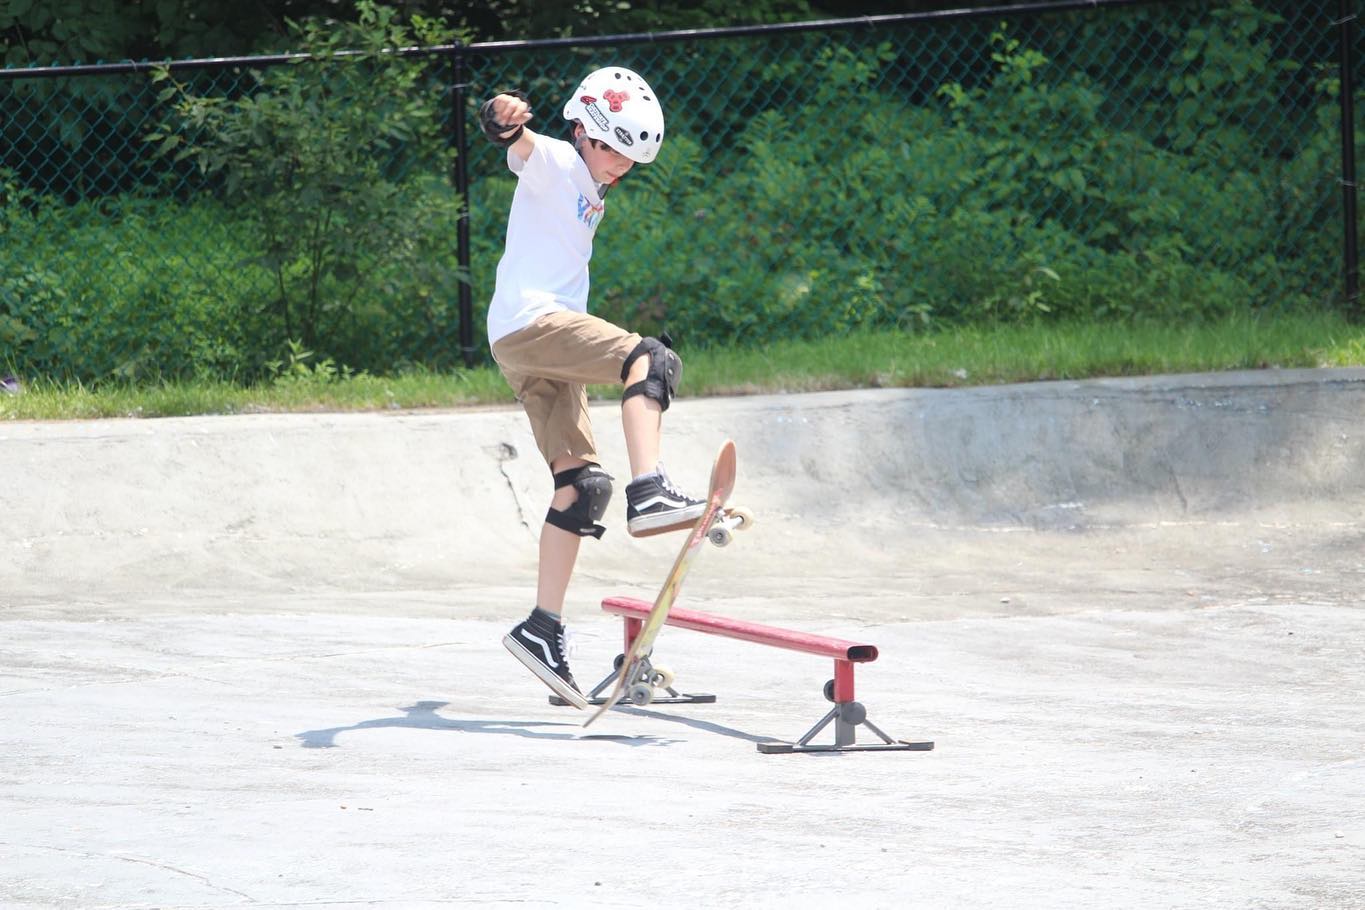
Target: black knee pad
594,492
665,372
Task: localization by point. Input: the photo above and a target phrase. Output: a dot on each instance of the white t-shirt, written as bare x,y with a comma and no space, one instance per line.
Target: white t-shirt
555,212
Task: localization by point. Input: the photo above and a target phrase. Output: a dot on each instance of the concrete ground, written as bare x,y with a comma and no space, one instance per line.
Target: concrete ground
254,661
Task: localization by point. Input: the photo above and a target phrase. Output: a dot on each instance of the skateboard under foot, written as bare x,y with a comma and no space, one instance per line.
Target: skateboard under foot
637,678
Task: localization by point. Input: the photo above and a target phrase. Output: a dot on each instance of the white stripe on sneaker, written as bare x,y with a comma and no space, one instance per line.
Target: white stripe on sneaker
544,646
663,500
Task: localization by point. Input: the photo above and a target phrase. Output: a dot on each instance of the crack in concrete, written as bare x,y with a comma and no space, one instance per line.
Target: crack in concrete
143,861
507,452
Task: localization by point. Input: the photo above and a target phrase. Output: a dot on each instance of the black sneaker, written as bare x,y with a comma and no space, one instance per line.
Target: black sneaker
539,644
654,505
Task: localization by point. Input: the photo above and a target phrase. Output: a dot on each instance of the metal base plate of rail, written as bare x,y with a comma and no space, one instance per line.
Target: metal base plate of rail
846,717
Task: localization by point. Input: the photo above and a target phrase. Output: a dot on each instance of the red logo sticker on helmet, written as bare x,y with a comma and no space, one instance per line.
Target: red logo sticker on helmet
588,99
616,99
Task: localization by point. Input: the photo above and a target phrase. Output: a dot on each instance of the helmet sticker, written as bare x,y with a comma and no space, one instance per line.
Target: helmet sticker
616,99
624,136
590,105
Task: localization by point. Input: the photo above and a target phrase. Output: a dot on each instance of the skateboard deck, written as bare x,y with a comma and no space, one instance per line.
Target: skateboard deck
722,485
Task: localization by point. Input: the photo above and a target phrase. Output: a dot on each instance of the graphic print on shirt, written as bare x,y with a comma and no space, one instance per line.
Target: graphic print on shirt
590,213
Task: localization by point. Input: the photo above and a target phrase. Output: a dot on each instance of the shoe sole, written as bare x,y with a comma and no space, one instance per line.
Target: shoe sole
545,674
649,525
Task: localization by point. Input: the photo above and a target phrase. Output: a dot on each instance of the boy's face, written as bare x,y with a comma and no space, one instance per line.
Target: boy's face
605,163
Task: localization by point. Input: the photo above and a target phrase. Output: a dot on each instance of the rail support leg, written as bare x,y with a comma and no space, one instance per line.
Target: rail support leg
847,715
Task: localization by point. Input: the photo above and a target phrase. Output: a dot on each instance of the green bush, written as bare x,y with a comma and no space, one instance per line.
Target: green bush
1015,200
143,312
318,157
178,291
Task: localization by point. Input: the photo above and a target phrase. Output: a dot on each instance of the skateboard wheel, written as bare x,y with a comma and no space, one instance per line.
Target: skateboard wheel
743,517
641,694
719,535
829,690
663,678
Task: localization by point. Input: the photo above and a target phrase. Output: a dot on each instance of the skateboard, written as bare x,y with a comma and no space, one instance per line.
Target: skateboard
636,676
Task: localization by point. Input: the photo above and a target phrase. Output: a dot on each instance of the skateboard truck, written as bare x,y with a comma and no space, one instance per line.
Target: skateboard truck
643,690
731,519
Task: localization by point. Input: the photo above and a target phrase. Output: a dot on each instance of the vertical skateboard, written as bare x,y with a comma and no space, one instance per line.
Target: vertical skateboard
634,675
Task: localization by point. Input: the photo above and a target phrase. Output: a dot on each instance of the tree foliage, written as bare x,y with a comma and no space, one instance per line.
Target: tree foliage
39,32
1124,167
317,155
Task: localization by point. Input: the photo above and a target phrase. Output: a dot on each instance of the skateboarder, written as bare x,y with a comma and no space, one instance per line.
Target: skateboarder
550,348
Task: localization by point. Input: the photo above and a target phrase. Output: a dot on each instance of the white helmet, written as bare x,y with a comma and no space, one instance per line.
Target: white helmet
618,107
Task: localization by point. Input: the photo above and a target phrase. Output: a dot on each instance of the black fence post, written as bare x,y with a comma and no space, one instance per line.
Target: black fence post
466,292
1350,250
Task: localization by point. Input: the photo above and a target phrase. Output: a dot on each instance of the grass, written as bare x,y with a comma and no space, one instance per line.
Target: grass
958,357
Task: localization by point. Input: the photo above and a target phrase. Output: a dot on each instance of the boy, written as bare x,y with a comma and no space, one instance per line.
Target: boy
549,348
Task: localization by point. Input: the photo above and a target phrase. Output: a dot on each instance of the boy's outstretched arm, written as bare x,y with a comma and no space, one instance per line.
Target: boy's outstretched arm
503,117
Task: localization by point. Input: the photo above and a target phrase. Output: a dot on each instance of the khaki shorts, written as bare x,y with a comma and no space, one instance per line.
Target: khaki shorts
549,365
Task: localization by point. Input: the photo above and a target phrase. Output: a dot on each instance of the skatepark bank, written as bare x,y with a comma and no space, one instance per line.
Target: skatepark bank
1252,475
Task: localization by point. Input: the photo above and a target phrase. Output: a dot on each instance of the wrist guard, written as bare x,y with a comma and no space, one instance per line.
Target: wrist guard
492,128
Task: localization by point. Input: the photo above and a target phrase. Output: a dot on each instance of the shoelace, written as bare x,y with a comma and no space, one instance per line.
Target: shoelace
670,487
567,642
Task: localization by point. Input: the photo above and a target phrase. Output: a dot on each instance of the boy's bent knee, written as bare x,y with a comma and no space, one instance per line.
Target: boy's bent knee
662,376
593,486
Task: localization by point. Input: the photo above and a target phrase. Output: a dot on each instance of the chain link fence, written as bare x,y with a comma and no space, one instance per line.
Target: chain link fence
1128,160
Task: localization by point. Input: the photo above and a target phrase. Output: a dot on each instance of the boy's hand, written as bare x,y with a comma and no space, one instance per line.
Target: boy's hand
502,117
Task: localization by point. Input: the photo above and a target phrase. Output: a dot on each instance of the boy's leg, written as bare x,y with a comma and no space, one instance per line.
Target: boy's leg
538,641
558,415
585,349
558,547
642,422
654,504
579,348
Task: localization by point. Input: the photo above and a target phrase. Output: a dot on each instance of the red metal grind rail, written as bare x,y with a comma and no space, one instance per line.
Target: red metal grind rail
847,714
